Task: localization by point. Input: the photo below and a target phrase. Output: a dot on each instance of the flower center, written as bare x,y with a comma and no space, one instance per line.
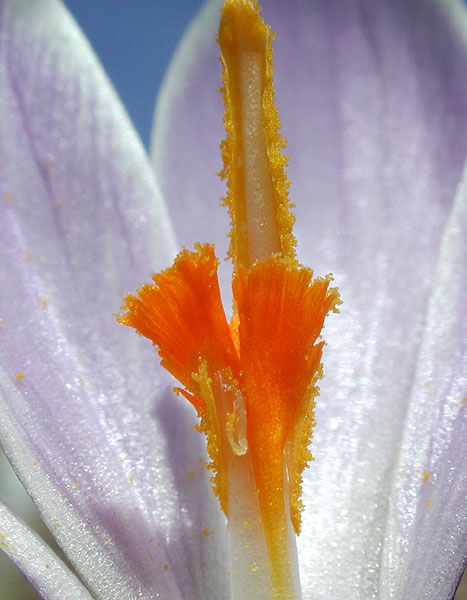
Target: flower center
252,380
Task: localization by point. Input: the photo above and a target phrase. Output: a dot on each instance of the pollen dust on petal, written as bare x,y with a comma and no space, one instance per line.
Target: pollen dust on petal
426,476
43,301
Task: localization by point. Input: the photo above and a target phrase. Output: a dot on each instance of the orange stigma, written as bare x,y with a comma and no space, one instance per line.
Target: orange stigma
252,379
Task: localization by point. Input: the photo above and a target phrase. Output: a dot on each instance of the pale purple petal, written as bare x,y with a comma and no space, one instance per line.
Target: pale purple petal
49,575
87,418
373,99
426,537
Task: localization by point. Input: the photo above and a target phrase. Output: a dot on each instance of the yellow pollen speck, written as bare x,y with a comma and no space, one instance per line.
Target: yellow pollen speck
58,524
19,375
29,256
75,484
254,567
245,524
44,302
47,566
464,399
207,532
158,543
106,542
132,480
136,508
247,544
191,475
166,567
34,464
427,503
426,476
227,574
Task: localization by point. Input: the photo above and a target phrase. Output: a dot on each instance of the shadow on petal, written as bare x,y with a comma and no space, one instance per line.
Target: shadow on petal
197,540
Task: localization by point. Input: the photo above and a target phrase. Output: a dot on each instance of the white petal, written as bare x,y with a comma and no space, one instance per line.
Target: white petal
49,575
426,544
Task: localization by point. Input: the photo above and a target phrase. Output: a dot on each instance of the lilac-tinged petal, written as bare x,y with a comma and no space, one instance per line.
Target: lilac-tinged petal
373,100
426,537
86,416
49,575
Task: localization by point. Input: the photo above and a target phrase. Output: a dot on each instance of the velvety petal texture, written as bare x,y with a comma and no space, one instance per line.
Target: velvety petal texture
434,440
51,578
373,100
87,418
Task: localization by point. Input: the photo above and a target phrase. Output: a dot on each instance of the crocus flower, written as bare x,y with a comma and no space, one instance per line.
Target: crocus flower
373,102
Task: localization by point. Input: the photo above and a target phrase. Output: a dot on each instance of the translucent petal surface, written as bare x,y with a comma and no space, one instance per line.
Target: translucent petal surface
51,578
427,524
86,416
372,97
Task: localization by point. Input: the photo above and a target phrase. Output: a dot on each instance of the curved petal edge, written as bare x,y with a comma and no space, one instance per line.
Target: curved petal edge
47,573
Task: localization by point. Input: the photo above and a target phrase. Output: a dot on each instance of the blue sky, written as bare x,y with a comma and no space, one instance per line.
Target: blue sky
135,40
